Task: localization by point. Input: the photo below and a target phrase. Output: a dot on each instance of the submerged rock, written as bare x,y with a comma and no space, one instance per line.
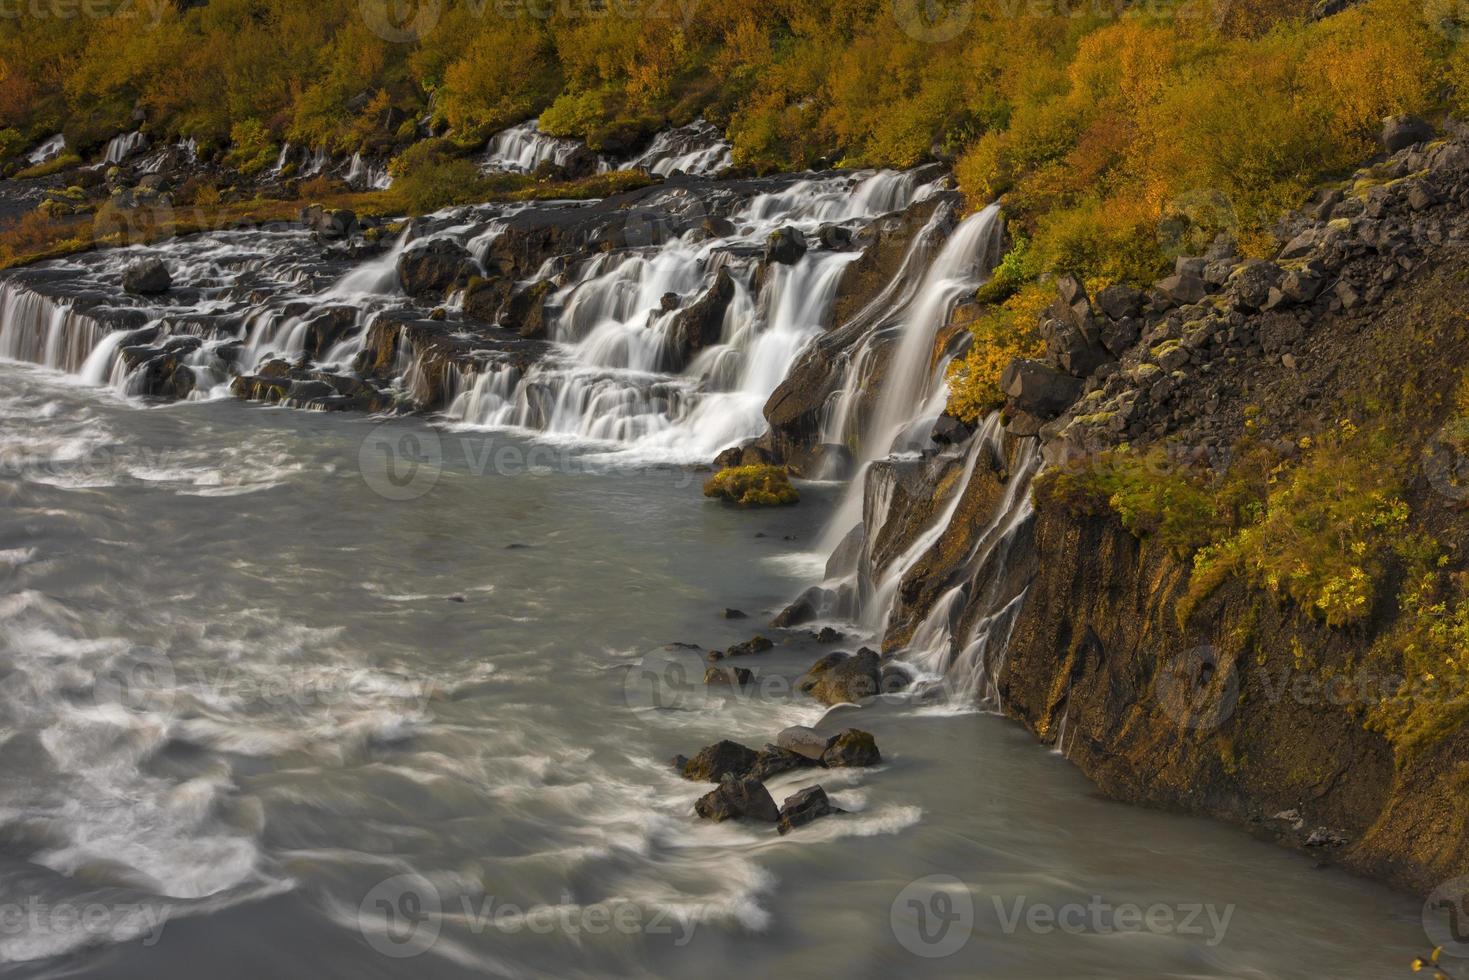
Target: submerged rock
738,799
735,678
801,808
716,761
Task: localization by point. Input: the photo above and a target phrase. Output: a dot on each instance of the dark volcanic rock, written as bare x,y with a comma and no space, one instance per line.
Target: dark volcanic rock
785,246
149,277
429,268
803,807
1401,132
852,748
1036,389
774,760
844,680
699,325
721,759
750,647
738,799
734,678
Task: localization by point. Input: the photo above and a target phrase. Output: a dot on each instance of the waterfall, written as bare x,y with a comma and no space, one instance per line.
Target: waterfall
697,148
362,175
123,146
523,148
36,329
47,151
607,379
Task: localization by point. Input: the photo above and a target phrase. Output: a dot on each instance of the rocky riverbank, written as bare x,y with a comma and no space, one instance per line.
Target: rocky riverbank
1085,623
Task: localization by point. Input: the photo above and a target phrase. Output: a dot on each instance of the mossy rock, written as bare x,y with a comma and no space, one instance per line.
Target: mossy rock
753,486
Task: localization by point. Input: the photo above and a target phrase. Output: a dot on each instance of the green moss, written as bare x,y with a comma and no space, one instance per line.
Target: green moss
753,486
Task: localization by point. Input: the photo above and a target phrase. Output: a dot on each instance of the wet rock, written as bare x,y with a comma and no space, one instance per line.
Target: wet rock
700,325
1401,132
750,647
785,246
158,372
429,268
716,226
326,328
949,431
827,461
829,635
714,762
808,606
734,678
484,298
852,748
150,277
894,679
805,742
525,311
843,681
803,807
774,760
734,614
835,237
738,799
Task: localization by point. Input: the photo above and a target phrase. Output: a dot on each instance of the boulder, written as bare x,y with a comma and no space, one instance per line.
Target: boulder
801,808
808,606
329,224
733,678
774,760
785,246
1038,389
852,748
429,268
699,325
714,762
525,311
805,742
1118,302
835,237
894,679
149,277
750,647
1249,287
716,226
738,799
1401,132
949,431
1184,289
843,681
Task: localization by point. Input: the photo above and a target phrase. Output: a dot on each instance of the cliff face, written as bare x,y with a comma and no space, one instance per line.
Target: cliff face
1243,704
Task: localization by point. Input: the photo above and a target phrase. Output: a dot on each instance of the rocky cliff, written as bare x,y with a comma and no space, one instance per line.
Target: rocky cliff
1235,698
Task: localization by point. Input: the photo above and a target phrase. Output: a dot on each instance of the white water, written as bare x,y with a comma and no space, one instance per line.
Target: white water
697,148
47,151
604,383
123,146
523,148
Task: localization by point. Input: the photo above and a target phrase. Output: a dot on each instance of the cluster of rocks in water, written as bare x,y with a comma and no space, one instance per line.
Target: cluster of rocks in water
1141,365
741,772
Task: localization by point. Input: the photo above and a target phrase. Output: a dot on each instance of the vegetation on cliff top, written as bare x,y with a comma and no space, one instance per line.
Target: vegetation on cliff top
1117,133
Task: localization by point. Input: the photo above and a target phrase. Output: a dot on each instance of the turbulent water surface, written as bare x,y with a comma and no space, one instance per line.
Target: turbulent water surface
266,695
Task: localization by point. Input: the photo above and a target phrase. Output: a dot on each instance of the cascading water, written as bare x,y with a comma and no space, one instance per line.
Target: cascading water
523,148
697,148
605,383
48,150
124,146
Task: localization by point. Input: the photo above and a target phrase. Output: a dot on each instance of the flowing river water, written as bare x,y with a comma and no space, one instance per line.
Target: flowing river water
288,693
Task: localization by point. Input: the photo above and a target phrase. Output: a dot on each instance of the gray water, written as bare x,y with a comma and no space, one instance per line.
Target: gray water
274,701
